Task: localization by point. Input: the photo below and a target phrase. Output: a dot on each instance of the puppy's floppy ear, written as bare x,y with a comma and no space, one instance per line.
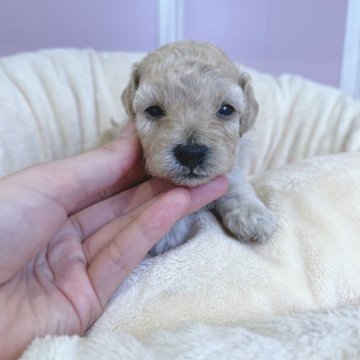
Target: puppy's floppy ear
251,109
128,94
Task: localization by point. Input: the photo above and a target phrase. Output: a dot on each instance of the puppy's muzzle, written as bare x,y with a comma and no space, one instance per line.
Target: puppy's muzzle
191,155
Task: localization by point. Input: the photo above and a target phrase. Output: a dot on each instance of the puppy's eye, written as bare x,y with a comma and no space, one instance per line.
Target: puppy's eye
225,110
155,111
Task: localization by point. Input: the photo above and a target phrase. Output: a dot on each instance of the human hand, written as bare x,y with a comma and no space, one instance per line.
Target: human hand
70,233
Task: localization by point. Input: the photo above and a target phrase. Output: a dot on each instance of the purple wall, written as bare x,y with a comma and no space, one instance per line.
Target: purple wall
103,25
237,26
303,37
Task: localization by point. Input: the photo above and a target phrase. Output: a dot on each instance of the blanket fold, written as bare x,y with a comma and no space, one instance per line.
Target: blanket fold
305,336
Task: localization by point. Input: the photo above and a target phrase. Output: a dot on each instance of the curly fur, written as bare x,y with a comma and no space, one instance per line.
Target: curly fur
190,81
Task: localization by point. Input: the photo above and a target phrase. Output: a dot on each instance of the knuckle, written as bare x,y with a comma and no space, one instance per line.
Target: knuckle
78,226
103,195
118,257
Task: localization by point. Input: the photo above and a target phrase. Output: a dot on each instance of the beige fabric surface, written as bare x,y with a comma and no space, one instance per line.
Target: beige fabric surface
58,103
315,336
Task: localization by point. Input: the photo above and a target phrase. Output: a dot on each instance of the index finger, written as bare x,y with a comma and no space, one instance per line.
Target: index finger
119,257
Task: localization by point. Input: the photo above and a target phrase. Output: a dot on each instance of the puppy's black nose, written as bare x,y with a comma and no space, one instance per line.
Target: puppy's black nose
190,155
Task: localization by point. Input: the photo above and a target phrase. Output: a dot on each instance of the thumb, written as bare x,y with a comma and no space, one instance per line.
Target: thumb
95,175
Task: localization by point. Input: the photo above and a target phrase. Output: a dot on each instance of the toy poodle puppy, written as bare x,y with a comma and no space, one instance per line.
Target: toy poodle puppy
192,106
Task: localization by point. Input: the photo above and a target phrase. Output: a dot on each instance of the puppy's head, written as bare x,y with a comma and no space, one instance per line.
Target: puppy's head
190,104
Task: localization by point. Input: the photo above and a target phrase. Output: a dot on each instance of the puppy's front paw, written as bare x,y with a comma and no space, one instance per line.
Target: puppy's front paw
253,222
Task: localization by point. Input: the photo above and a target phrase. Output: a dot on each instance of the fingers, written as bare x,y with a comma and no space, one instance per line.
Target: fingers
87,178
40,198
133,235
120,256
203,195
133,177
96,216
199,197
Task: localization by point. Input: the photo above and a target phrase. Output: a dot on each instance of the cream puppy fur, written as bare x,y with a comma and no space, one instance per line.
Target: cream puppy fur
192,106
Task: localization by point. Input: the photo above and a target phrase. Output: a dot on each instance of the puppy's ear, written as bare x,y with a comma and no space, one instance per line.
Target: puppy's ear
250,112
127,96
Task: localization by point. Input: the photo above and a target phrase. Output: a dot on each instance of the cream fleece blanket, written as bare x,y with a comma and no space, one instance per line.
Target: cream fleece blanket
213,297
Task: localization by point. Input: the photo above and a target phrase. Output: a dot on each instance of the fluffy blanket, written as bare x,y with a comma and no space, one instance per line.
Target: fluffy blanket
213,297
